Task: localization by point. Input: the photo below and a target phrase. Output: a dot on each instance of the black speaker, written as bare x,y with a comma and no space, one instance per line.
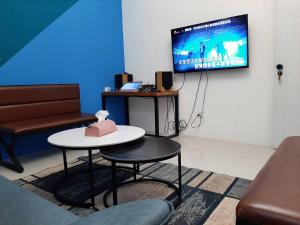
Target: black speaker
121,79
164,80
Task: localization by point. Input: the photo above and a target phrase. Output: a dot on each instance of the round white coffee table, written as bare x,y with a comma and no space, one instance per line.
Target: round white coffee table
74,139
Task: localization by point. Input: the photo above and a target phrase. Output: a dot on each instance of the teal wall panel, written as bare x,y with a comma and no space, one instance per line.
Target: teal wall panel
21,21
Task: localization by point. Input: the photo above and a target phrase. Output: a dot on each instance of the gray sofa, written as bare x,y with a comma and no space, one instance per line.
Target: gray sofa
21,207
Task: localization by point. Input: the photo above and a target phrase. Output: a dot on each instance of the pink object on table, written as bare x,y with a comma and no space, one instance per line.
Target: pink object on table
101,129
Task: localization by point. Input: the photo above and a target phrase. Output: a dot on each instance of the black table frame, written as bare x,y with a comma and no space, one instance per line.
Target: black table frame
156,111
67,175
90,170
115,184
9,148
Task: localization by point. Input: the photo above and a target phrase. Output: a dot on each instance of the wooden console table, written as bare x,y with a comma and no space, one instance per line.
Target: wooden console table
155,96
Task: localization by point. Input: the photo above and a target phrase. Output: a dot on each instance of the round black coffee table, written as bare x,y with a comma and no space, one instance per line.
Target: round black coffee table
143,150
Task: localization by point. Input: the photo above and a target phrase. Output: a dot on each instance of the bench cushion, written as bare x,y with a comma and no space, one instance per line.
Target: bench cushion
39,124
21,207
144,212
36,101
30,111
273,197
25,94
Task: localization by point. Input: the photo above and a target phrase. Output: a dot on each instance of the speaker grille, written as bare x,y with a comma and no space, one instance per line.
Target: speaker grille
164,80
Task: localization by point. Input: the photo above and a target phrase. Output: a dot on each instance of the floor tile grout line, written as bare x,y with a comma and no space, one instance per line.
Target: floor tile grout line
239,159
234,163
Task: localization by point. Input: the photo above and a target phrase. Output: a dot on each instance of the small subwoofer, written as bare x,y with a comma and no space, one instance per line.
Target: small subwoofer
121,79
164,80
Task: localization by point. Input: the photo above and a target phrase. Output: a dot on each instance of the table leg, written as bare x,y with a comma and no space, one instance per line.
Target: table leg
65,163
127,111
179,176
1,158
114,184
176,115
91,178
103,102
134,171
156,116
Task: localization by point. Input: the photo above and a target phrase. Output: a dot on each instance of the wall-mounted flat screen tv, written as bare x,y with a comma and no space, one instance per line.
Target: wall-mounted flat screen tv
215,45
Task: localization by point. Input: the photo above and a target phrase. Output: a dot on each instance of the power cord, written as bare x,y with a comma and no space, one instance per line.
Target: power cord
170,125
183,82
194,105
200,115
167,127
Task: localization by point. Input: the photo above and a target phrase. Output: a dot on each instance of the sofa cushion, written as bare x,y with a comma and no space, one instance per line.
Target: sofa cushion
21,207
273,198
144,212
39,124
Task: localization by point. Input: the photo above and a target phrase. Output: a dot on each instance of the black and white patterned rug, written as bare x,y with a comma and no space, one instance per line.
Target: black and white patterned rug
208,198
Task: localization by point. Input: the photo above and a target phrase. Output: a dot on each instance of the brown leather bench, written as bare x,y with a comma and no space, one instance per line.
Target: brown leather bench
273,198
35,108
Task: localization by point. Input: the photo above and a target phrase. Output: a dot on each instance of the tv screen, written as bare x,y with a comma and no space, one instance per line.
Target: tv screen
215,45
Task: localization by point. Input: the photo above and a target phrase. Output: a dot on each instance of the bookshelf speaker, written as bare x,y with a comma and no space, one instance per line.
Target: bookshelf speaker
121,79
164,80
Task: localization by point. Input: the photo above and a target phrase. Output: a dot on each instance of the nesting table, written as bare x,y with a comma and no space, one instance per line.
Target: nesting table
74,139
127,145
143,150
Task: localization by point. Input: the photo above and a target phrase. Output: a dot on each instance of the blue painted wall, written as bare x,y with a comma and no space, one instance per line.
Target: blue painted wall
84,45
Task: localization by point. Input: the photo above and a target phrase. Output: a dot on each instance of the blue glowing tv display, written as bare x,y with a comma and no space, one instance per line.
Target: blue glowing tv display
215,45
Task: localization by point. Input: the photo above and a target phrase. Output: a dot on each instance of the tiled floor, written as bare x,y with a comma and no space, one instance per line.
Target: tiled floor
233,159
229,158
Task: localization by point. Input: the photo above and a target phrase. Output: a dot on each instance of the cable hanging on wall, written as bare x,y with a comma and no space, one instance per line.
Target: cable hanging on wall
170,125
198,120
194,105
195,122
183,82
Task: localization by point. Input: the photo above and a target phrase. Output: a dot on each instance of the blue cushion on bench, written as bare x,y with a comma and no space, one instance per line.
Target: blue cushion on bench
144,212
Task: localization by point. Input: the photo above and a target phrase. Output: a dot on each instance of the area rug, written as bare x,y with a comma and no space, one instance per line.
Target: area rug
207,198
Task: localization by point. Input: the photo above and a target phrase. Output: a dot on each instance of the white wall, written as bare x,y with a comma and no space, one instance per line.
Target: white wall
287,90
239,102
